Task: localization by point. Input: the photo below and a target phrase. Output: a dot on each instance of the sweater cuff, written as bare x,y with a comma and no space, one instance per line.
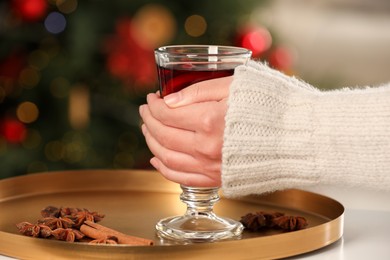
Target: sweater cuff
267,133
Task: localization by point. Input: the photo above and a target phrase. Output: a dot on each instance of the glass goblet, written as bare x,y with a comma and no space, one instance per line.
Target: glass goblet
178,67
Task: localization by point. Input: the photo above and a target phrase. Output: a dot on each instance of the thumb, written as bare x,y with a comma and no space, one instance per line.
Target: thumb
208,90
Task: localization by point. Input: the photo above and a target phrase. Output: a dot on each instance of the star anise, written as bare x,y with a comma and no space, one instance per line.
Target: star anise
68,212
50,211
44,231
77,215
28,229
259,220
54,223
83,215
291,223
67,234
110,240
34,230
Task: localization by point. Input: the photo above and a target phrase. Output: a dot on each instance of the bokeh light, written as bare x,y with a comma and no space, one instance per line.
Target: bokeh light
55,22
195,25
74,152
79,107
30,10
27,112
66,6
75,146
72,148
153,25
29,77
257,39
13,130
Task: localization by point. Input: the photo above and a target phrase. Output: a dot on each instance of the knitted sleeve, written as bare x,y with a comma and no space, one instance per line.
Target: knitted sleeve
282,133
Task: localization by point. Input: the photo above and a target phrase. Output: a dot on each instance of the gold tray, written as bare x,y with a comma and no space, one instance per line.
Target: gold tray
133,201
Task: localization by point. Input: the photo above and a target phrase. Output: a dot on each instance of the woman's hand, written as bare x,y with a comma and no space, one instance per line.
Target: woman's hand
184,131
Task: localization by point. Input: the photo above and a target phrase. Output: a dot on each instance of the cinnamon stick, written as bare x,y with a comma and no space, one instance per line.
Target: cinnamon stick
97,231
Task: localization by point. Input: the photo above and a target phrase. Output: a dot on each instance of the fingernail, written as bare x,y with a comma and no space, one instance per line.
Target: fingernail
148,97
154,162
144,129
141,109
172,99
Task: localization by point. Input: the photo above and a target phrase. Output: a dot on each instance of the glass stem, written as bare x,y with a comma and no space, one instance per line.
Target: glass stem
200,201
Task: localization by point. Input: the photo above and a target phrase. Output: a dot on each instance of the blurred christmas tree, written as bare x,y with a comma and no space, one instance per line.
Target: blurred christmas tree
73,73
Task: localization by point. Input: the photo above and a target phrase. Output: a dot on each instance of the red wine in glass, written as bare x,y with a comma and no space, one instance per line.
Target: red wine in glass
178,67
175,77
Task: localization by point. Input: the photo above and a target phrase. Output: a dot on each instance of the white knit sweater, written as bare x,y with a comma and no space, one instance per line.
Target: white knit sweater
283,133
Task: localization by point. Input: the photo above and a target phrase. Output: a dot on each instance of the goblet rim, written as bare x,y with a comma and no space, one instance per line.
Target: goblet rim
232,50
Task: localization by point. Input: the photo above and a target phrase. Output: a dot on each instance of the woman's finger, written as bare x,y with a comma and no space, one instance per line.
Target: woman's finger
204,122
180,161
199,117
208,90
206,143
188,117
170,137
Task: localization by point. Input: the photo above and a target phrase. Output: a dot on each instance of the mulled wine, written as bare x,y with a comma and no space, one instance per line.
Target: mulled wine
175,77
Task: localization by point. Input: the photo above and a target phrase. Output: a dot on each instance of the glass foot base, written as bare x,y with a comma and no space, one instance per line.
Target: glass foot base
198,228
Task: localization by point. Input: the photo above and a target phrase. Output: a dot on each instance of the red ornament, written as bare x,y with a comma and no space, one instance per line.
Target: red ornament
256,39
127,60
281,59
13,130
30,10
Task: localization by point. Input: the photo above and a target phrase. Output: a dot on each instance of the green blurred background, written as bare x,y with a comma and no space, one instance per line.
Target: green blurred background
73,73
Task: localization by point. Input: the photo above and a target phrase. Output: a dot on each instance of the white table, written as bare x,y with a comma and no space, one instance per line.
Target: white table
359,242
366,227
